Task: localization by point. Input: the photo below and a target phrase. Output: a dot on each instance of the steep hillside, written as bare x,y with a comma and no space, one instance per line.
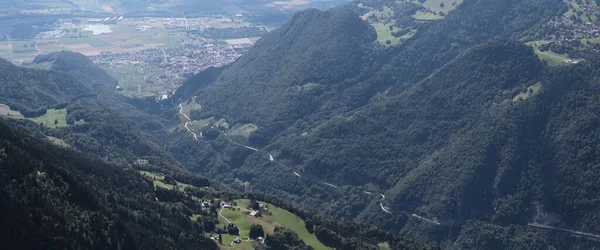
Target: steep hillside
289,72
32,91
79,66
456,123
55,198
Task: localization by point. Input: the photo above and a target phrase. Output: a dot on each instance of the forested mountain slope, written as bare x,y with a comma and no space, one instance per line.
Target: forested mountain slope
56,198
460,122
34,90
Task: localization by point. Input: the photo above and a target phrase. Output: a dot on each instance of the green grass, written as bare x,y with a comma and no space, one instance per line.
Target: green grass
294,223
6,111
53,118
201,123
195,217
157,181
189,106
426,16
58,142
242,132
384,34
167,40
384,246
552,58
531,91
436,5
94,42
278,217
129,79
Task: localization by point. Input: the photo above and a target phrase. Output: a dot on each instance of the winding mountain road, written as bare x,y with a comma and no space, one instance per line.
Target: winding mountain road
187,123
272,159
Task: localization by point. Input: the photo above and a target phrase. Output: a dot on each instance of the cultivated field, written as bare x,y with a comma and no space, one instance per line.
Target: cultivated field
124,37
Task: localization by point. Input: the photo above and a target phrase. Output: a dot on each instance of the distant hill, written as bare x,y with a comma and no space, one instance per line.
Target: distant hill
32,90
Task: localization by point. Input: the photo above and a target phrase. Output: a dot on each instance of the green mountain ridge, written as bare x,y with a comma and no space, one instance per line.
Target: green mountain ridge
444,124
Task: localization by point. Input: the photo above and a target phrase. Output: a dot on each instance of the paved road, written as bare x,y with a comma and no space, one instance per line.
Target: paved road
573,232
187,123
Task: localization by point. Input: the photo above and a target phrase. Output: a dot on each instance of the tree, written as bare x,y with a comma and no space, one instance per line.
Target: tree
309,226
255,205
220,238
256,231
55,121
442,5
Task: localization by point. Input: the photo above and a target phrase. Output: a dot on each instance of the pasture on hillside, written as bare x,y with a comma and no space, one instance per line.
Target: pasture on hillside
53,118
277,218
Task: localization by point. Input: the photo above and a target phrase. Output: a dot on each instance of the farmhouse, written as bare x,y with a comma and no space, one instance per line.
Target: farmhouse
225,204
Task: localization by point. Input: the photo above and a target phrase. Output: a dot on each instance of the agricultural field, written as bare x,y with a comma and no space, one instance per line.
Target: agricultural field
96,39
53,118
276,217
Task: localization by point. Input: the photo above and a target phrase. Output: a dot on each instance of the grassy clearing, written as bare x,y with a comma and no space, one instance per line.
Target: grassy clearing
242,132
384,34
441,5
552,58
426,16
158,181
195,217
531,91
7,112
227,244
53,118
384,246
189,106
58,142
278,217
385,13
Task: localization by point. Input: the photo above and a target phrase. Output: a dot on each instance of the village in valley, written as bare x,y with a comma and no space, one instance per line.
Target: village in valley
570,38
149,56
